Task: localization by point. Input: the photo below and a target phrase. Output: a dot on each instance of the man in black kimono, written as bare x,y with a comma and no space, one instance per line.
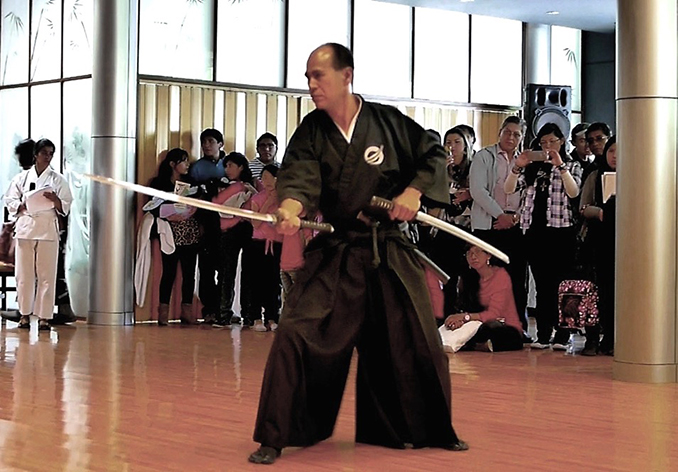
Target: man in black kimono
362,286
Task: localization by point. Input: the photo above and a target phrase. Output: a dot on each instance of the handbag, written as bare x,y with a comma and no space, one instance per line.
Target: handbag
7,243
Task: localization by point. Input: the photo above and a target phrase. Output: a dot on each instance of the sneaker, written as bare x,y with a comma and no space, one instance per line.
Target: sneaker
259,326
484,347
235,319
272,325
209,319
538,345
559,347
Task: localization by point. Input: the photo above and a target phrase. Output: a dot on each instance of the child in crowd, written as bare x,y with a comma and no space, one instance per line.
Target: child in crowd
261,257
235,235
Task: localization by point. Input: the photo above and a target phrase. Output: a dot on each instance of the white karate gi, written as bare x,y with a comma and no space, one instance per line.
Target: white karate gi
37,241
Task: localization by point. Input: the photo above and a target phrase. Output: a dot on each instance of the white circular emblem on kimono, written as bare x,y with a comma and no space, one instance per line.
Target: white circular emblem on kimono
374,155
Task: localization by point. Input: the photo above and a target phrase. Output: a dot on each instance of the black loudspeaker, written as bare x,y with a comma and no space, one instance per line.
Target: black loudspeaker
547,104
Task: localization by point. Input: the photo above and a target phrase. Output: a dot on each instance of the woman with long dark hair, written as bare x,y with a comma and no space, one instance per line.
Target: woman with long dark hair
486,295
35,198
186,234
446,250
261,257
600,220
235,235
546,217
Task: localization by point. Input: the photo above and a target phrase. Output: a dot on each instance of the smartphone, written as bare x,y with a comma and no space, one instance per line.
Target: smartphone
537,156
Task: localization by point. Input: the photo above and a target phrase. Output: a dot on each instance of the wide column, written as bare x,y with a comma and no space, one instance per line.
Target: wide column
114,107
647,91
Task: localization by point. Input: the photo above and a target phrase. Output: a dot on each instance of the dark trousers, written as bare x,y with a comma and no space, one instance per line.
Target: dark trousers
232,242
341,302
186,256
261,273
208,262
503,337
512,243
551,257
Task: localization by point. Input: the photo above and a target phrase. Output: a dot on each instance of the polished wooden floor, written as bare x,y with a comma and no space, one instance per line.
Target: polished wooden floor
146,398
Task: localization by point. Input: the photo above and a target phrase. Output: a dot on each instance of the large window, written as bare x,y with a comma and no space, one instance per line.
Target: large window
250,42
566,61
496,61
45,40
45,113
305,33
77,156
78,37
14,42
382,49
13,128
175,38
441,45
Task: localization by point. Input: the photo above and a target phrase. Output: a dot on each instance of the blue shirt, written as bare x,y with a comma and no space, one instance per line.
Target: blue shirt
205,169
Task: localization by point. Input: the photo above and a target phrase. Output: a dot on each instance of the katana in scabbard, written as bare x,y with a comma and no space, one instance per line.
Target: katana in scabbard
422,217
205,205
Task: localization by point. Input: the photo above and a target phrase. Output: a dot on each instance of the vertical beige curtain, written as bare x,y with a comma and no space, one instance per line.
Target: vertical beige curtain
173,115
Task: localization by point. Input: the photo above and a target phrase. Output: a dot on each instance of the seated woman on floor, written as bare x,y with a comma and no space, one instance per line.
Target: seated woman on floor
489,319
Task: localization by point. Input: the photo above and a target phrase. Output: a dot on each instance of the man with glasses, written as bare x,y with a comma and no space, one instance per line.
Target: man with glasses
597,135
494,214
267,148
580,148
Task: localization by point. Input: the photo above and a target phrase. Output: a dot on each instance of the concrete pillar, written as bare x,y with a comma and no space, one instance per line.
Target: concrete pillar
537,54
647,94
114,111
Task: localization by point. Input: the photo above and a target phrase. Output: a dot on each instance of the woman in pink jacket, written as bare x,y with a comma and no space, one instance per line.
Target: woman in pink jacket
236,233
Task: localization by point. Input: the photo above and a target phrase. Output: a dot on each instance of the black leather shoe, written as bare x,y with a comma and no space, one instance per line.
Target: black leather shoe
265,455
590,351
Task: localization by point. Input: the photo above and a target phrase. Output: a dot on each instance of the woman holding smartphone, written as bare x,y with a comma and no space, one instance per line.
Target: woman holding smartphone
546,217
445,250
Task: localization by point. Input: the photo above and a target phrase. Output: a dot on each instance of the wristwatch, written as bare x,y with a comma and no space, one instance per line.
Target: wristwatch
467,317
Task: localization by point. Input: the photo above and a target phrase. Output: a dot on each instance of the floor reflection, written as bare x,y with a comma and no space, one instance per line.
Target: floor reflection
185,398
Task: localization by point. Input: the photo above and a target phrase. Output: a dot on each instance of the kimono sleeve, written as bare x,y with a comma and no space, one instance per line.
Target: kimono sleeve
430,163
300,175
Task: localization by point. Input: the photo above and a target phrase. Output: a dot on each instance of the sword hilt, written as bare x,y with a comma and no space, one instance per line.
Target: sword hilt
381,203
314,225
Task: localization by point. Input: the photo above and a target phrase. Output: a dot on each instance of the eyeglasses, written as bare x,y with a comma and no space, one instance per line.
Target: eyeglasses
517,135
550,142
474,253
596,139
